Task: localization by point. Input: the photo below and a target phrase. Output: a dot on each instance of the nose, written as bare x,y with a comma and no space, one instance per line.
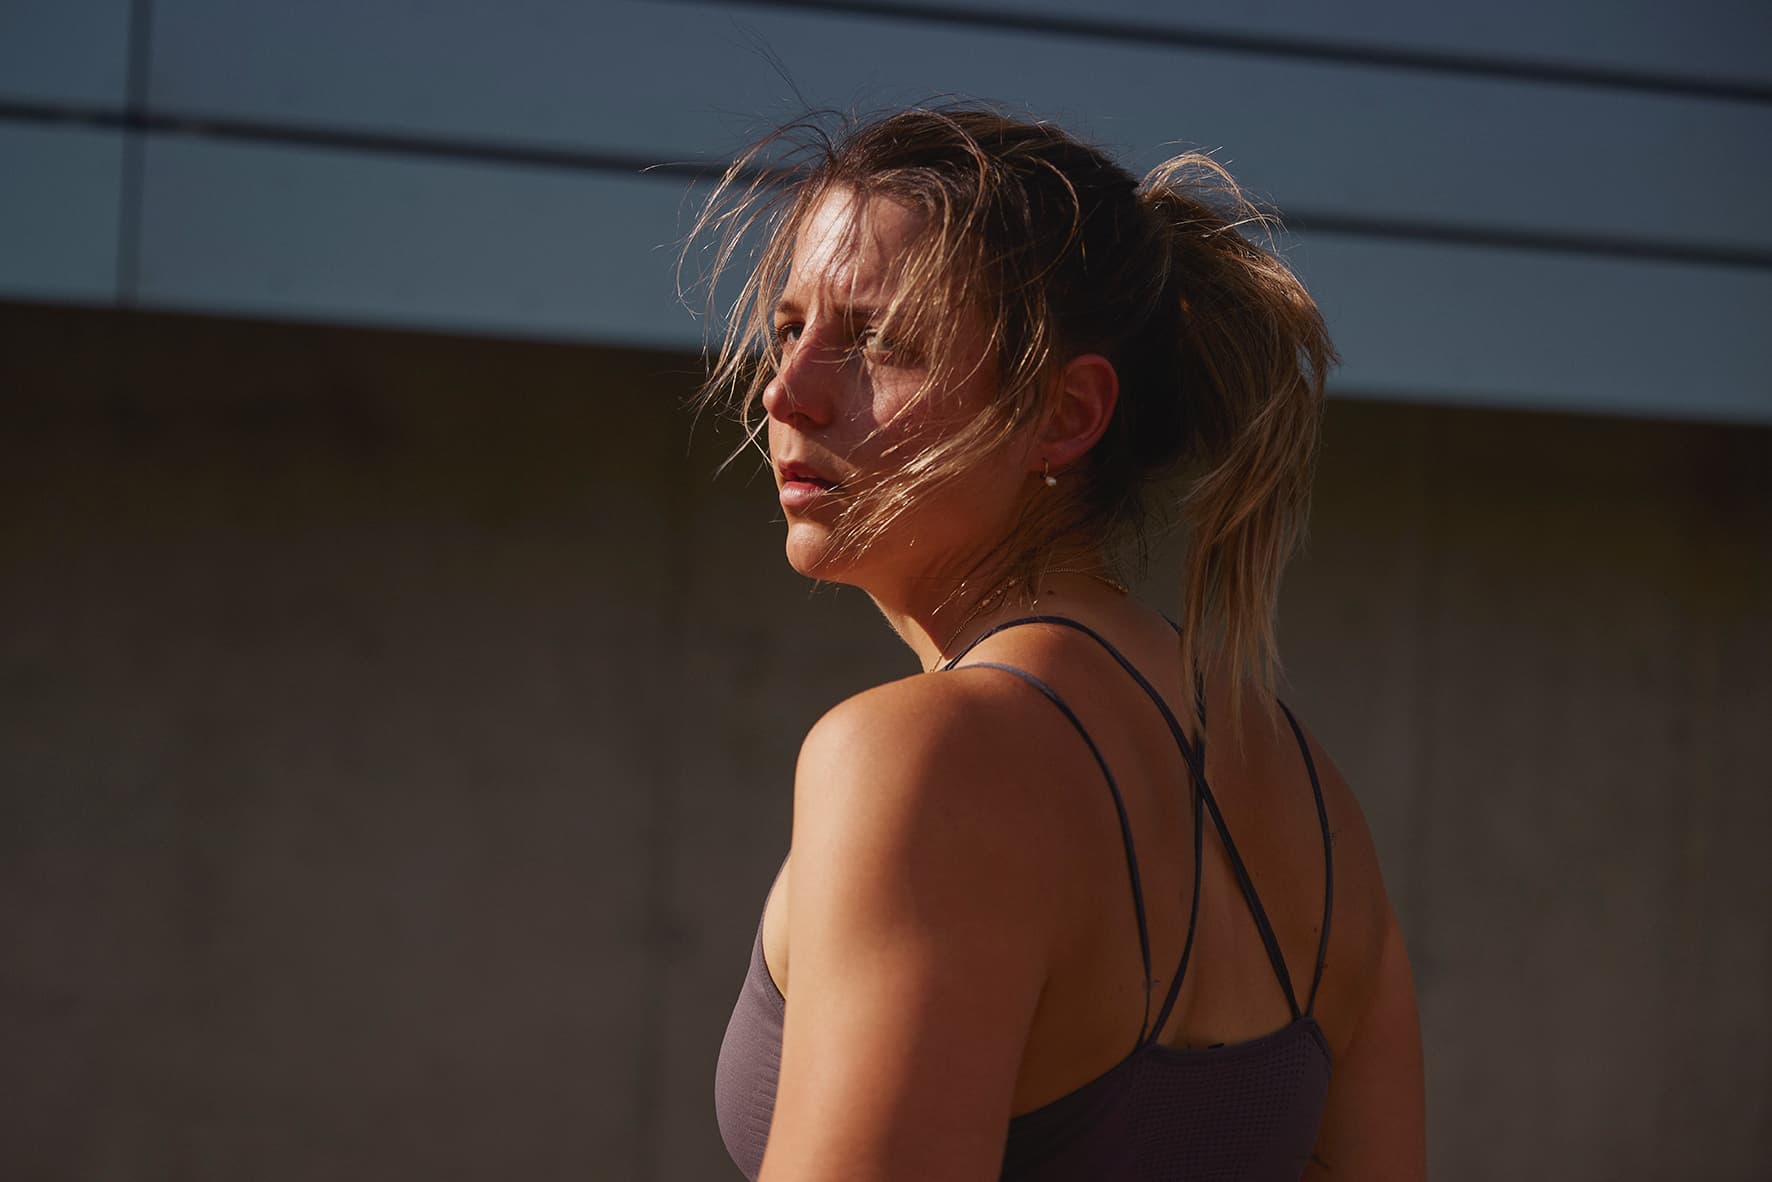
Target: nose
805,387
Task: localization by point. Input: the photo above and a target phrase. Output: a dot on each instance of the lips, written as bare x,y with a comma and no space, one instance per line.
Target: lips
797,473
803,487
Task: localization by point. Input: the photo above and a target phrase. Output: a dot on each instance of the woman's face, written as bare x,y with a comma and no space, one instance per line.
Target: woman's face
844,410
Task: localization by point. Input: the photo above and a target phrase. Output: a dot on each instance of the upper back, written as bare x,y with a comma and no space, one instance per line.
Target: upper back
1258,777
1229,1009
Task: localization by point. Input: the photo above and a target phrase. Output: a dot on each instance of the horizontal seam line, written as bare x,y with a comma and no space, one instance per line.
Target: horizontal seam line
630,164
1439,61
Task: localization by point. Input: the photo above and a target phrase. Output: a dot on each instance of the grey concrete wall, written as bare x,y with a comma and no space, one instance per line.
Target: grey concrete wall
396,736
1541,648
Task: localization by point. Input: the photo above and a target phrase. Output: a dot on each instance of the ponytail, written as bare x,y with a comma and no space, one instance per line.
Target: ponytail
1251,353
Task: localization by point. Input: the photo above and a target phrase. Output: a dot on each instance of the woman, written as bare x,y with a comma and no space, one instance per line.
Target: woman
1018,937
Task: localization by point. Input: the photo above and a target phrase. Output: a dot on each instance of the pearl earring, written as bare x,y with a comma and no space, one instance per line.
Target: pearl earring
1046,473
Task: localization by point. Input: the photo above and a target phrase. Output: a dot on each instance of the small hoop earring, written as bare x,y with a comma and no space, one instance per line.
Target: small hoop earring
1046,474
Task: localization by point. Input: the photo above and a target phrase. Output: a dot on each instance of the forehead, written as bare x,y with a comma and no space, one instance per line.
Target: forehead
848,248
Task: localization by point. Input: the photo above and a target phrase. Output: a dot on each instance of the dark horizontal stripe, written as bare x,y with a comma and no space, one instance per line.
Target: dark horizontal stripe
1438,61
1508,238
357,140
580,160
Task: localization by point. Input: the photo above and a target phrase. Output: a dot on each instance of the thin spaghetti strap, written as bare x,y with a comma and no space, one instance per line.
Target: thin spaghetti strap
1195,764
1193,915
1144,935
1310,765
1005,626
1263,926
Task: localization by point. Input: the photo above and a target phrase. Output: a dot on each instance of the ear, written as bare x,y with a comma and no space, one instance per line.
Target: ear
1088,391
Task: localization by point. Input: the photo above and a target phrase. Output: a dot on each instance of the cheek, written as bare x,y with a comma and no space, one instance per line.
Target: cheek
884,431
913,419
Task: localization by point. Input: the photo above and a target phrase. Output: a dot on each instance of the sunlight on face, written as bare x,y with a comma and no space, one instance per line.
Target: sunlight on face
848,406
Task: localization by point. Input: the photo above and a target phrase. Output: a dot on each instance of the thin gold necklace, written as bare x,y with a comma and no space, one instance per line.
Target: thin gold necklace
1122,588
991,600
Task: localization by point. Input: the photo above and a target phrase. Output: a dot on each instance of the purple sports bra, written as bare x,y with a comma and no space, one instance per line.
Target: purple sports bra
1243,1111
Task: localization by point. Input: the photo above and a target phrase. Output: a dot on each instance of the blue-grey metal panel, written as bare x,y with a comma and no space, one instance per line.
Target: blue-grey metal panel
671,81
533,252
1717,39
59,212
65,51
303,233
1491,327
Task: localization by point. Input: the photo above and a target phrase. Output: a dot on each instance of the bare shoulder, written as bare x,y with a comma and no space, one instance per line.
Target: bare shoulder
964,739
939,774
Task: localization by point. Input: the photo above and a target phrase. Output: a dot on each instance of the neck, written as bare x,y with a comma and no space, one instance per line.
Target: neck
939,621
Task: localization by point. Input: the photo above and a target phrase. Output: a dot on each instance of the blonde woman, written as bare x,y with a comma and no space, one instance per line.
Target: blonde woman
1083,900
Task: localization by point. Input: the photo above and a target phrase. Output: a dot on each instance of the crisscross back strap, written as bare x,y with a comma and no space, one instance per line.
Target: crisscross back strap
1310,765
1197,765
1144,936
1193,915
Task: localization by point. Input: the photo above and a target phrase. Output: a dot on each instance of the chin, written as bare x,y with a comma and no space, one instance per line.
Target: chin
808,551
818,566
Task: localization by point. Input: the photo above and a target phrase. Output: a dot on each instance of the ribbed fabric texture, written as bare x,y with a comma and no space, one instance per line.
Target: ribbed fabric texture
750,1065
1247,1112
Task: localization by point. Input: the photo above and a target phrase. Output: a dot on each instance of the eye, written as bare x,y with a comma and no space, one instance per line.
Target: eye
874,346
878,349
788,333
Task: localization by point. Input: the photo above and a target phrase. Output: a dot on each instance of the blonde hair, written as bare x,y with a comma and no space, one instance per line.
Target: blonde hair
1056,251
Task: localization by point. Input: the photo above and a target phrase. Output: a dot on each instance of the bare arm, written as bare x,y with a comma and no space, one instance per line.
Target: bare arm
1374,1124
917,961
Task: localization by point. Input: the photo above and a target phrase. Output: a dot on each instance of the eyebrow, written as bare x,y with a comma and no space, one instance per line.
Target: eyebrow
850,313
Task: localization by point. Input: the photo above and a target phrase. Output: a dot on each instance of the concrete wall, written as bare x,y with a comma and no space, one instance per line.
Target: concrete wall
1542,650
396,736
